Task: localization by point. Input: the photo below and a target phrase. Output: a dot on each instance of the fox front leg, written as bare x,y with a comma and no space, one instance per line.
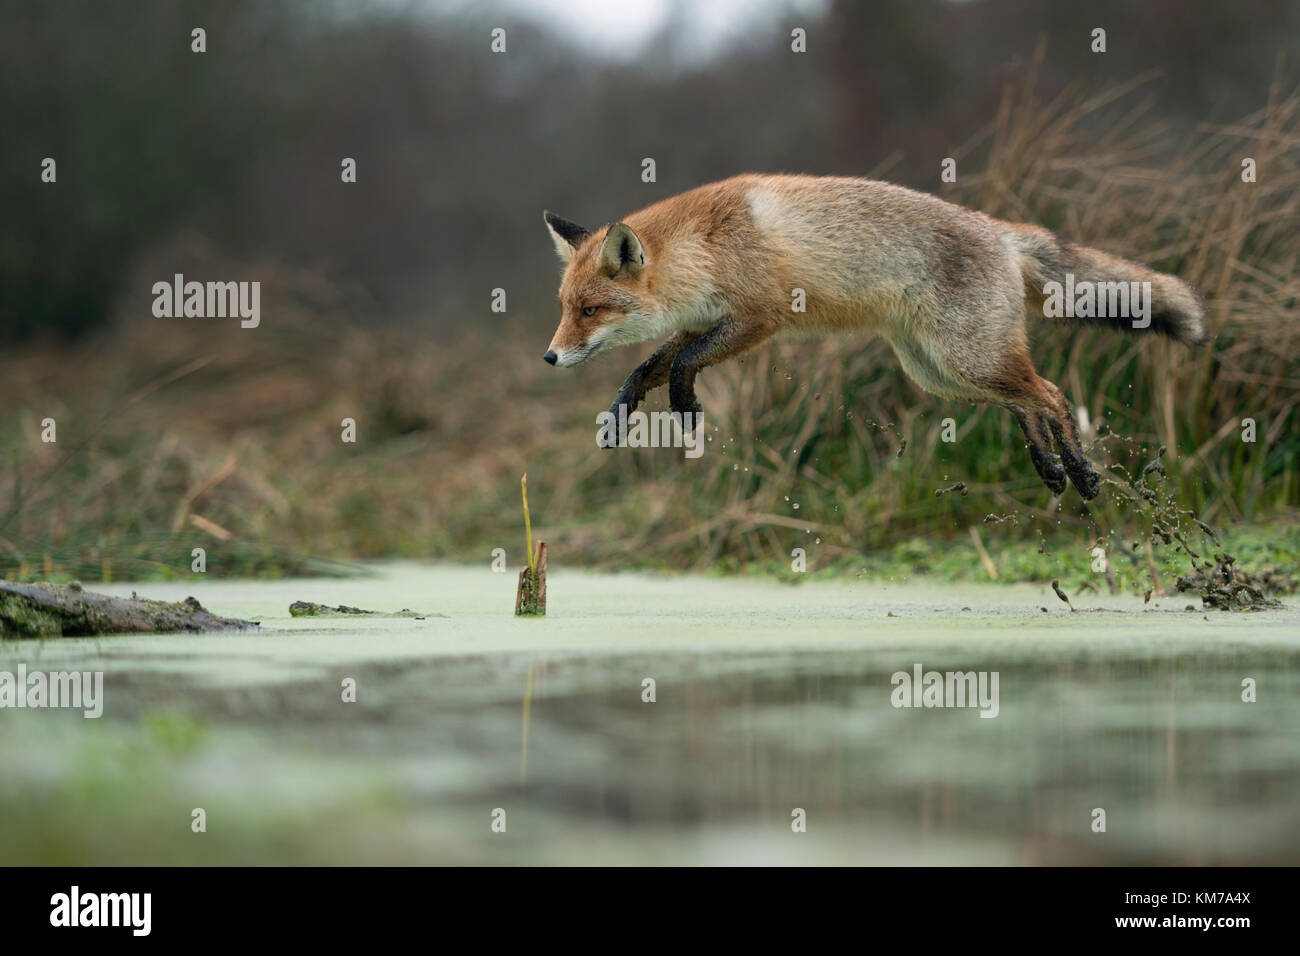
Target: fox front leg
651,373
725,340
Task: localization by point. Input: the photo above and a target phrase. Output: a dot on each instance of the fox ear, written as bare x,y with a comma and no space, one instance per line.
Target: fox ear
566,235
621,251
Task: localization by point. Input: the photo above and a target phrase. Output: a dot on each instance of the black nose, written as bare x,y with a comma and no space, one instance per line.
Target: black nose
550,357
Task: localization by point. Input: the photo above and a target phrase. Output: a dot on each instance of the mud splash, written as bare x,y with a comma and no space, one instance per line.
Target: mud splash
1214,576
1228,588
1153,522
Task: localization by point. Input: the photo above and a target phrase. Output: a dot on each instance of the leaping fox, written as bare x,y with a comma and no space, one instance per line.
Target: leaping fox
717,268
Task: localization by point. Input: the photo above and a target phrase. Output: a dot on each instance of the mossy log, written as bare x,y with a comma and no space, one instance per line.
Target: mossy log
311,609
68,610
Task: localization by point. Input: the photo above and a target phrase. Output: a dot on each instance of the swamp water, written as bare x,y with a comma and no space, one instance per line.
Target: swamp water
768,698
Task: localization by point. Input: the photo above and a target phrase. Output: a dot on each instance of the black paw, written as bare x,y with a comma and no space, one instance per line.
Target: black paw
612,436
625,403
681,404
1049,469
690,417
625,397
1087,483
1054,478
681,396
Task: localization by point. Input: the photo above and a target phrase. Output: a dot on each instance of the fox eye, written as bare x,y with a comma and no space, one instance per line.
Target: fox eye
590,310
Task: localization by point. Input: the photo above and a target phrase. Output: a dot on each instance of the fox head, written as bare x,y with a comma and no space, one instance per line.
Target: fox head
604,296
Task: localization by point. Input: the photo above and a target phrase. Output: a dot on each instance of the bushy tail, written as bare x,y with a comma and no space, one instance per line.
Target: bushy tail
1175,308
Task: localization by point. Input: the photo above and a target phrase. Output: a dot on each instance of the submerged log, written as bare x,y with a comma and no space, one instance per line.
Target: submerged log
311,609
68,610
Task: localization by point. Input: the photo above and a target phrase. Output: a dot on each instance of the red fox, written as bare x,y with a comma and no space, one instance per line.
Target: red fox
719,269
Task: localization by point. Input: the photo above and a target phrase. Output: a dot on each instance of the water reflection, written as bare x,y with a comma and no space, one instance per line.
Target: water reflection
1184,770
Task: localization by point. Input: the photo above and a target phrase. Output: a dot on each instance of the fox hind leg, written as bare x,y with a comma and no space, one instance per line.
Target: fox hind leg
1082,474
1046,462
1034,400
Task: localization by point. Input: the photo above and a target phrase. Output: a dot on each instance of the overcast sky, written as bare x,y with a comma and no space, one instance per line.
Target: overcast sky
622,27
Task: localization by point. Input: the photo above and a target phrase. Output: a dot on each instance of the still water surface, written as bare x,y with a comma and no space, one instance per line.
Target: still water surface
769,698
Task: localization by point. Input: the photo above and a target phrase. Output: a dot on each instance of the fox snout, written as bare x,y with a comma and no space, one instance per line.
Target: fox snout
575,340
562,356
564,349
